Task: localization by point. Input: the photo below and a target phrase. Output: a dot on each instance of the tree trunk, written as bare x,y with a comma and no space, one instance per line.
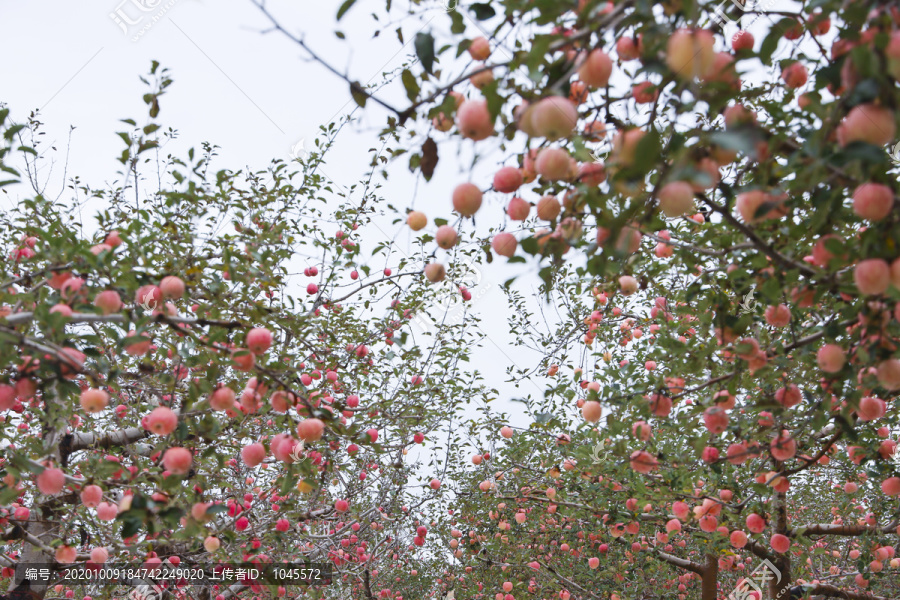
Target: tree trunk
710,578
43,523
775,585
783,561
32,557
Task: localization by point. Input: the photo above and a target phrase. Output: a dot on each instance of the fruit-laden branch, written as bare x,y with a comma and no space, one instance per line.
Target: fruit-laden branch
568,582
36,554
354,86
680,562
35,274
758,241
605,23
362,286
41,546
24,317
121,437
849,530
57,352
816,336
233,591
815,459
367,585
698,249
759,550
829,591
672,559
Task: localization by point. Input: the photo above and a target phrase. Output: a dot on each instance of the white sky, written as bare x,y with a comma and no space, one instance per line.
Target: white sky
253,95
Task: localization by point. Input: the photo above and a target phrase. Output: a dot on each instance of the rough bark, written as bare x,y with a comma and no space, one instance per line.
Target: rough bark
778,587
43,524
710,578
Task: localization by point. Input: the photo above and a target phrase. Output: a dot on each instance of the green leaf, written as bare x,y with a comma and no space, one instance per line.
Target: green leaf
347,5
740,141
771,42
12,131
425,50
458,24
869,154
359,95
131,524
483,11
543,418
411,84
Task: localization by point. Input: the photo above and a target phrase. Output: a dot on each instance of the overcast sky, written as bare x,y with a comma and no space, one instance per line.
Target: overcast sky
255,95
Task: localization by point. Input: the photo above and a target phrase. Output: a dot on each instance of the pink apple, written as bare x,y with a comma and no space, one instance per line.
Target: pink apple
91,496
162,420
504,244
171,287
643,462
253,454
554,117
435,272
778,315
831,358
508,179
888,374
259,340
474,120
553,164
591,411
467,199
548,208
416,220
780,543
869,123
795,75
596,69
108,302
311,430
93,400
51,481
873,201
676,199
446,237
872,276
178,460
742,40
690,53
518,209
